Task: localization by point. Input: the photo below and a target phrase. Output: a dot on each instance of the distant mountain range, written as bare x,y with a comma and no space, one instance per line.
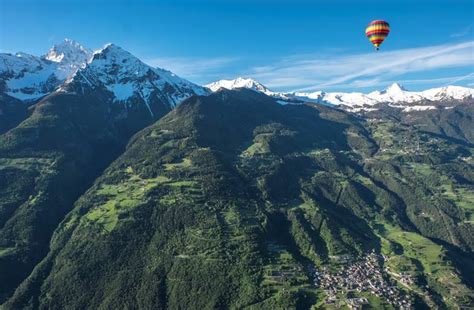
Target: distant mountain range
395,96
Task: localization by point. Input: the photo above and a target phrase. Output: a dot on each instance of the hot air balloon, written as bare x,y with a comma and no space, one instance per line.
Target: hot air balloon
377,31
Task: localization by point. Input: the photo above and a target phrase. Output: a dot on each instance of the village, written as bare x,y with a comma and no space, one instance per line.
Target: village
364,275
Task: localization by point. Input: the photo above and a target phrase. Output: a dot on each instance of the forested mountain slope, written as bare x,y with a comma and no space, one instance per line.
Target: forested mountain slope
233,200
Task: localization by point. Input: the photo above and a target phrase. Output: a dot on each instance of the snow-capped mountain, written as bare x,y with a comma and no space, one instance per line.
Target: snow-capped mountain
70,67
395,96
130,81
240,82
28,78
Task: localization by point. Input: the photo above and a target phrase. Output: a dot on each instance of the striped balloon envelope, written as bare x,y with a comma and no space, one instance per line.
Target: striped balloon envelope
377,31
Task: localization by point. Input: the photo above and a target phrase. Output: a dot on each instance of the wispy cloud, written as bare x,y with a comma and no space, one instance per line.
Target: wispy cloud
467,77
444,81
463,32
192,67
309,72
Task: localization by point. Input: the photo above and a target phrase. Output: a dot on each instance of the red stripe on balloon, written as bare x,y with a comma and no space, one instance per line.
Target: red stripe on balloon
378,22
377,32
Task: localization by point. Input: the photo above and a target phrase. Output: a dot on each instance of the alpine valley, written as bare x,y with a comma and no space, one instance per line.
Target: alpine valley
125,186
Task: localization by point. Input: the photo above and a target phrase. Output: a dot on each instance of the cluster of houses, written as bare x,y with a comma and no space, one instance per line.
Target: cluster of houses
364,275
407,279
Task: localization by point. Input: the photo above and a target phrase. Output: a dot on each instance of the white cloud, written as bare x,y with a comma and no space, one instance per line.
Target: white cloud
310,72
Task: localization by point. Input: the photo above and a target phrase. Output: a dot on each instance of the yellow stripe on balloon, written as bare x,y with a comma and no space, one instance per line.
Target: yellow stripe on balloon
377,37
373,27
377,27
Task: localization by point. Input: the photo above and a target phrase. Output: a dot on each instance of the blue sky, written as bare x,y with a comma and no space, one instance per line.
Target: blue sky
286,45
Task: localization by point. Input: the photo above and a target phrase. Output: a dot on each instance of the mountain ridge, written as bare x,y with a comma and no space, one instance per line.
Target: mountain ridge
124,81
130,80
60,64
356,101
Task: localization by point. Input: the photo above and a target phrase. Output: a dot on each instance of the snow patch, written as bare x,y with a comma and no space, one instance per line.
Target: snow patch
26,97
121,91
414,107
283,102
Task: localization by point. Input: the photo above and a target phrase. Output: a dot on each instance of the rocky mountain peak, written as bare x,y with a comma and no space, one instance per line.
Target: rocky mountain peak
69,52
395,88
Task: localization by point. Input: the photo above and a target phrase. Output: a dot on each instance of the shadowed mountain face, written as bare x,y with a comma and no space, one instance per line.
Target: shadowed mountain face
12,112
47,162
232,200
448,120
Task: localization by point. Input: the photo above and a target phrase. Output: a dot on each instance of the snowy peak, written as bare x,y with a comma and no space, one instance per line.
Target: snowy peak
113,62
69,52
29,78
240,82
131,81
447,92
395,89
395,96
111,52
